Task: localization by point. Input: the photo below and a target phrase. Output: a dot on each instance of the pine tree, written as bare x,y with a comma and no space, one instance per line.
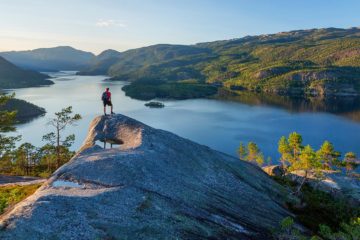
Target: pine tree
61,146
307,162
242,151
7,144
327,155
252,151
254,154
295,143
26,158
285,151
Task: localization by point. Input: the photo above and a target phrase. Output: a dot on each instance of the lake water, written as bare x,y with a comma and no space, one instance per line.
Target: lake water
218,124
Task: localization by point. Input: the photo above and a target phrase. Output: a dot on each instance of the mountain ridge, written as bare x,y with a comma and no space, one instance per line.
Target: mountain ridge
50,59
321,62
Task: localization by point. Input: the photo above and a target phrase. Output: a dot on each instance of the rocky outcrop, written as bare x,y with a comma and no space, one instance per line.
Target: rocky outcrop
154,185
338,184
274,170
309,76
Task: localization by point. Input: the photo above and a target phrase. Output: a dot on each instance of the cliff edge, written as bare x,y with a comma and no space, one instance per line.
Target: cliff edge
151,184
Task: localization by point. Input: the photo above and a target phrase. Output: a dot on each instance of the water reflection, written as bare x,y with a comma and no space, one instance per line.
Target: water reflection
348,107
218,124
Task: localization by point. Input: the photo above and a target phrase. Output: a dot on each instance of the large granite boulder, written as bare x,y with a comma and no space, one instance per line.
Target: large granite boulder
274,170
155,185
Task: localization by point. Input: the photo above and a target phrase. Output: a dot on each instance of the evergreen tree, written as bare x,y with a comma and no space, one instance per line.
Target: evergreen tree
327,155
7,144
252,153
307,162
295,144
56,142
26,158
285,151
242,151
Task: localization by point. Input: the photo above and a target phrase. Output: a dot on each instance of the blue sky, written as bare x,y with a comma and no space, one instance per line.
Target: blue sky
96,25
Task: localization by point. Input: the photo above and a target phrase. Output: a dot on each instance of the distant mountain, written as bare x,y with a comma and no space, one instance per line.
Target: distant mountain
316,62
147,59
12,76
50,59
101,63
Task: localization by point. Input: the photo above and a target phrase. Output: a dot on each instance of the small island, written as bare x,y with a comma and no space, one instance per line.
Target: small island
154,104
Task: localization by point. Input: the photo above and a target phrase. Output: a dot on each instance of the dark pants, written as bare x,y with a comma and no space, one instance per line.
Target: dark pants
108,103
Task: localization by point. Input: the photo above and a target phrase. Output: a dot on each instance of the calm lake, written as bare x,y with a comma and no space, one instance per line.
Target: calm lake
220,124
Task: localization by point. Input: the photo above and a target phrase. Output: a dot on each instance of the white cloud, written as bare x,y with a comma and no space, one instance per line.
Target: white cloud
109,23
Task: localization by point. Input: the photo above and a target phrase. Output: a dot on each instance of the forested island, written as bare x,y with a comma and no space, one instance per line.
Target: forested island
25,110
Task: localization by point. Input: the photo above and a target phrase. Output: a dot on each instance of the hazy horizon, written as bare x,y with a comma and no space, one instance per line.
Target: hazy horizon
97,53
123,24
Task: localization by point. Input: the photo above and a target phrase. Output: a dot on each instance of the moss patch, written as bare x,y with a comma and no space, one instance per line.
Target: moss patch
10,195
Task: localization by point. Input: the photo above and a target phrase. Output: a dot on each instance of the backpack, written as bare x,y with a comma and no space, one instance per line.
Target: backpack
104,96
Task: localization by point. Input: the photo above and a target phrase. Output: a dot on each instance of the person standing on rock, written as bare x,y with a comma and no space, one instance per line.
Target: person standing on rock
106,98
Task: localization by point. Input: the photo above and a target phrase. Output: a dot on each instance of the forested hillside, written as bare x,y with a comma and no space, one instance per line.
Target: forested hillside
316,62
12,76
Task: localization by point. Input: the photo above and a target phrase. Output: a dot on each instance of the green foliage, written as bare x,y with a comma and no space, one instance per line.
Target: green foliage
327,155
290,148
285,151
306,161
32,161
10,195
295,143
7,144
7,118
287,230
251,153
294,156
146,91
322,208
349,231
56,144
25,110
297,62
242,151
26,158
320,211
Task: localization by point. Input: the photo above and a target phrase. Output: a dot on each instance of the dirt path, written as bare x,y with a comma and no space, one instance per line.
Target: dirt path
19,180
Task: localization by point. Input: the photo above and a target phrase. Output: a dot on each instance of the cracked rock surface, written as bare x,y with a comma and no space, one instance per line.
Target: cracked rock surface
155,185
